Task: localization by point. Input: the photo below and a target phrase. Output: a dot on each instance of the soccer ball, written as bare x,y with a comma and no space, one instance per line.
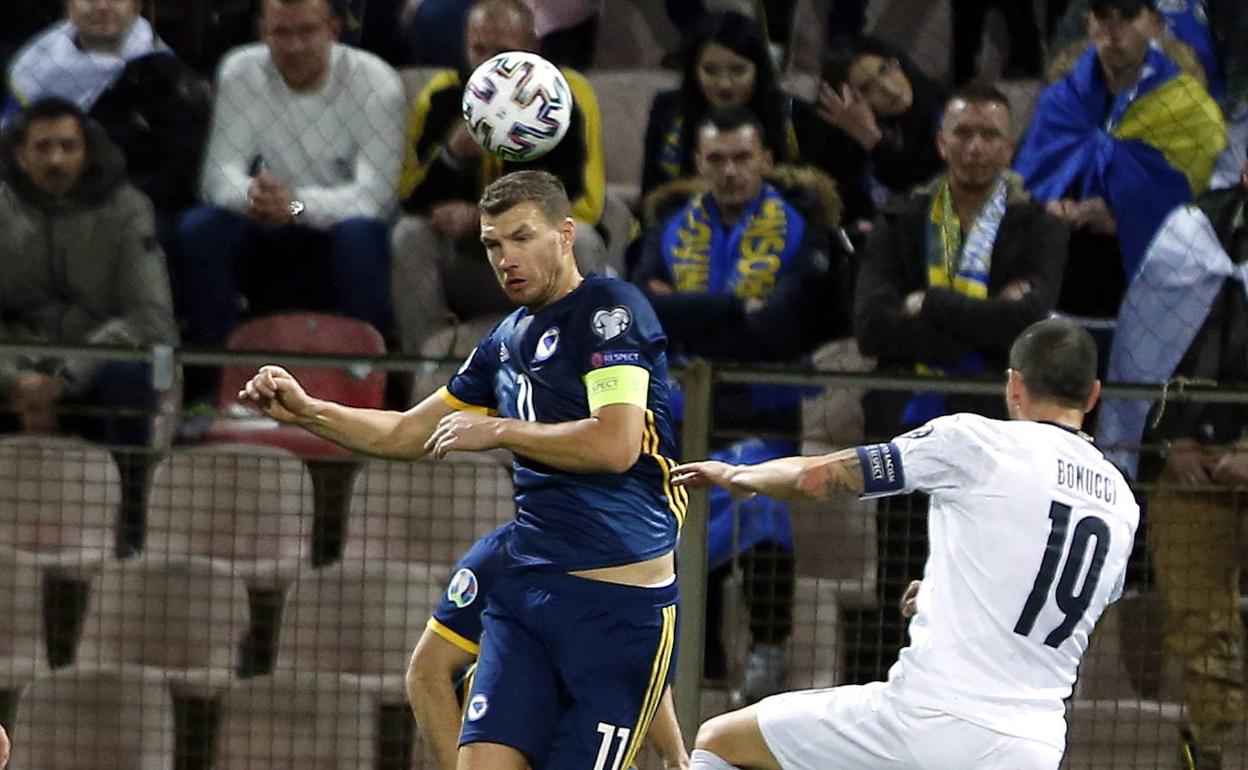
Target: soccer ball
517,106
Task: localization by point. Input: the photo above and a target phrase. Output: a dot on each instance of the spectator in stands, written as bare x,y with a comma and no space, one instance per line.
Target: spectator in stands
726,64
1185,315
740,273
106,58
950,275
567,30
886,114
79,264
300,177
434,31
19,21
1025,53
440,275
1114,147
954,271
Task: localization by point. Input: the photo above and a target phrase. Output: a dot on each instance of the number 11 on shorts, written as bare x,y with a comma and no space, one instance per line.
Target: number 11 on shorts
611,734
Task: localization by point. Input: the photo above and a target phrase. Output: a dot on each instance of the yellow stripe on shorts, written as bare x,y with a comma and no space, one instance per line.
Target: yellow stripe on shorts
658,683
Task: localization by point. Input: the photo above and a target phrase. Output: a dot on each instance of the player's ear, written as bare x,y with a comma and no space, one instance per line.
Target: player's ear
567,232
1093,395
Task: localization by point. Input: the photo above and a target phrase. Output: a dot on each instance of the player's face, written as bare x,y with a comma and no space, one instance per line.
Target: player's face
726,79
974,141
531,257
733,163
883,83
101,23
486,35
54,154
1121,41
300,37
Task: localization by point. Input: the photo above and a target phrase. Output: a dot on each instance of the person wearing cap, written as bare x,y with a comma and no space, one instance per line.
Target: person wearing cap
1115,146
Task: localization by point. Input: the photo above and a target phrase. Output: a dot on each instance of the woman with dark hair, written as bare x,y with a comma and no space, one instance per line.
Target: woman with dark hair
726,64
889,112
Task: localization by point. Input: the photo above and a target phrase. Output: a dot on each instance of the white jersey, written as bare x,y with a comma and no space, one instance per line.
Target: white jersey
1030,528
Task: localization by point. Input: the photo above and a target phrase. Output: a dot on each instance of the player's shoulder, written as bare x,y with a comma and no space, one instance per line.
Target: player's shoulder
612,307
948,426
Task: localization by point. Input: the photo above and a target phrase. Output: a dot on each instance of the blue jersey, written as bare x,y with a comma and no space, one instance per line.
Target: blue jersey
599,340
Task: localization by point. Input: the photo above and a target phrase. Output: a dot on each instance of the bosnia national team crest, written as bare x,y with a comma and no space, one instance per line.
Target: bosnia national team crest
477,707
610,324
546,345
463,588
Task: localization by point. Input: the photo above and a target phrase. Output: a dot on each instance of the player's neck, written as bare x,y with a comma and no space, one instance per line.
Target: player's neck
564,286
1055,413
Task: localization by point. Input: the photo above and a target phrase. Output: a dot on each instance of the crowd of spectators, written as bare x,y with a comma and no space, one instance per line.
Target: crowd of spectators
891,208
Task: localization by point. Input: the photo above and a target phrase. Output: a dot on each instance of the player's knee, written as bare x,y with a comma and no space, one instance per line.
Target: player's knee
716,735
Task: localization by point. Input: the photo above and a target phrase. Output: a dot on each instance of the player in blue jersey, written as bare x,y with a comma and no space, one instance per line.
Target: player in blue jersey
578,642
439,673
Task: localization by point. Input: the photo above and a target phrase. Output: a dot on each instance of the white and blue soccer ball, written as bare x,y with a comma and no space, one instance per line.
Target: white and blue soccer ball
517,106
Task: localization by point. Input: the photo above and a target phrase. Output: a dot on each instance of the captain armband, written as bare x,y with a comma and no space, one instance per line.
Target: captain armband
623,384
882,473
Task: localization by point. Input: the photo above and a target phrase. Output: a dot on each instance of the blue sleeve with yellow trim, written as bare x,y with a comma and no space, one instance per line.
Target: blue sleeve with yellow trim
457,618
624,345
473,384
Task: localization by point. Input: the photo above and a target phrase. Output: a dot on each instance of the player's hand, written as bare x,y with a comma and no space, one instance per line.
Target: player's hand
910,599
708,473
275,393
463,432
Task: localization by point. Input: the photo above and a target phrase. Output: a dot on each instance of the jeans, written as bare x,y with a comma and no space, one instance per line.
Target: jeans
223,255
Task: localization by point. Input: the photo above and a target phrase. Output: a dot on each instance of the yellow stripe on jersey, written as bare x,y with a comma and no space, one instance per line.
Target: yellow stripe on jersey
460,641
462,406
658,683
465,689
677,497
623,384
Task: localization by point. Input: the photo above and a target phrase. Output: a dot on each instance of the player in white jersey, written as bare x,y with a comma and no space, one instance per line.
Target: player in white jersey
1030,528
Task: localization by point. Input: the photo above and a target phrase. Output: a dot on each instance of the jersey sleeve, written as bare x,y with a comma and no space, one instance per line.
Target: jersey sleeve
623,346
472,387
457,618
934,457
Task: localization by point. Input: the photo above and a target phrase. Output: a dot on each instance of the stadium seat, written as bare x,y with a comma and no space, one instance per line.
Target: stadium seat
59,499
248,505
624,98
23,646
302,333
293,721
429,512
94,719
182,618
358,623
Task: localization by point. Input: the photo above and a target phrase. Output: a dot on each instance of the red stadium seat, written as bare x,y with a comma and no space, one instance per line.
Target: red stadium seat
303,333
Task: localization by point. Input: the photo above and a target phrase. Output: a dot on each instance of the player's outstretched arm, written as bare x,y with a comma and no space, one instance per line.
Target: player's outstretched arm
665,735
608,441
431,693
395,435
786,478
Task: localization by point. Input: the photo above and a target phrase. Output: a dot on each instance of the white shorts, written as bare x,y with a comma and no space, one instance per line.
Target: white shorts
863,727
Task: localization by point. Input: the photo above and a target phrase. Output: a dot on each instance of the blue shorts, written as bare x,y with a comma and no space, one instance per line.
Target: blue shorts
571,669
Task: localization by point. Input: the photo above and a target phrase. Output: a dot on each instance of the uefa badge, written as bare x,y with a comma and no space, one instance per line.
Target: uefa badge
463,588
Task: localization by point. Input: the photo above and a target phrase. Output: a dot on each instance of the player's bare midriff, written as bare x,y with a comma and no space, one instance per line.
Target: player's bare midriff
639,573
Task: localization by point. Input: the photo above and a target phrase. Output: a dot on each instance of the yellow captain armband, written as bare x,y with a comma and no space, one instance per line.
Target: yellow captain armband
462,406
622,384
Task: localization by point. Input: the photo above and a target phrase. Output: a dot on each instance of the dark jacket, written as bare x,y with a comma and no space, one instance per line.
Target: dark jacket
663,163
1030,245
85,268
157,113
809,304
1219,352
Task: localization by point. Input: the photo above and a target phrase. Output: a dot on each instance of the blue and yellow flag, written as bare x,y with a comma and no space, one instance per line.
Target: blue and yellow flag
1145,150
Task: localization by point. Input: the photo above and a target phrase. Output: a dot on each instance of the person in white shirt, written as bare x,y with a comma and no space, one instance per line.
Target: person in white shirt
300,178
1030,529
